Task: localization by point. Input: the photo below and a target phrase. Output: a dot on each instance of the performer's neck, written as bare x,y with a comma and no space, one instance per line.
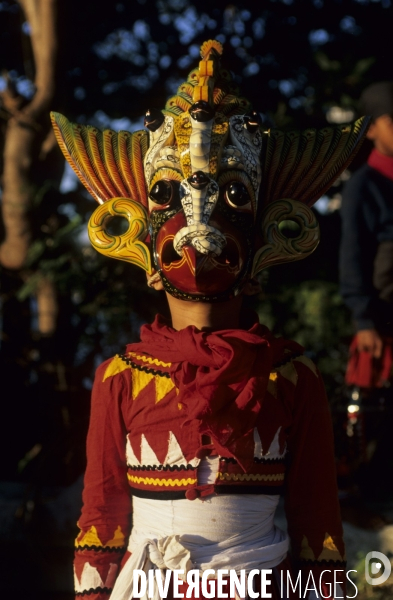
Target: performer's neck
205,315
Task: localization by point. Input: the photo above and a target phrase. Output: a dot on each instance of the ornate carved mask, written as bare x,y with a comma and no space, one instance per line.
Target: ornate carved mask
205,188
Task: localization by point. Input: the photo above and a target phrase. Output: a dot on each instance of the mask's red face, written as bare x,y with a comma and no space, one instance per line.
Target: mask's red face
202,207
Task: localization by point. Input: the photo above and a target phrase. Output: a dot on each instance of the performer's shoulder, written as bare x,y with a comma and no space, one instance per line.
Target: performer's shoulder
112,367
125,363
291,362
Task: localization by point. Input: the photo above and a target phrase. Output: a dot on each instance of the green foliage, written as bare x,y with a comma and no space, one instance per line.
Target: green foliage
313,314
324,62
365,590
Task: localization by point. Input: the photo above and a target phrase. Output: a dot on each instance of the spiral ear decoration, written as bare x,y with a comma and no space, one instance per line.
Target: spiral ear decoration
280,248
128,246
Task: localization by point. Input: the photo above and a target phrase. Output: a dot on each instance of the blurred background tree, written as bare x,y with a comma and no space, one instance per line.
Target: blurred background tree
64,308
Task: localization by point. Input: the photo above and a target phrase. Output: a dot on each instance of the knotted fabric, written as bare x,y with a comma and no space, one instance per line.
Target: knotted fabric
162,554
221,376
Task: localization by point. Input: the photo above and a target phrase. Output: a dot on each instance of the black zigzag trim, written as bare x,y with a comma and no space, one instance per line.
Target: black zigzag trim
100,549
134,365
260,461
178,495
273,490
269,461
287,359
315,563
98,590
229,460
161,467
218,489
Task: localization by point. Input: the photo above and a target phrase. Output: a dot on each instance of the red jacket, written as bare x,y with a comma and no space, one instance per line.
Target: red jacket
145,438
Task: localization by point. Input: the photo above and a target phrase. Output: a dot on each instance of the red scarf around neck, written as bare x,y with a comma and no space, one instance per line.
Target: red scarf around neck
381,163
221,376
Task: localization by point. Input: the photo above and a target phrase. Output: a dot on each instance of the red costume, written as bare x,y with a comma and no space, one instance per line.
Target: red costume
206,430
282,444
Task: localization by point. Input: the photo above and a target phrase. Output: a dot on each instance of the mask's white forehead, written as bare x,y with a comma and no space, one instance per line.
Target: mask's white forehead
249,145
240,151
162,138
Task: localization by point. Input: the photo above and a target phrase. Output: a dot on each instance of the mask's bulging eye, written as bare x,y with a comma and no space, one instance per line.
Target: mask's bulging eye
252,121
164,191
236,195
201,111
153,119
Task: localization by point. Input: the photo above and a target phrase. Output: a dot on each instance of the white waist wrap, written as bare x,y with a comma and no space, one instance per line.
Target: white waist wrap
221,532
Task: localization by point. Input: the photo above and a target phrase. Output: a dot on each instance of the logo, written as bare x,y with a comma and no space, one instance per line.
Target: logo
376,563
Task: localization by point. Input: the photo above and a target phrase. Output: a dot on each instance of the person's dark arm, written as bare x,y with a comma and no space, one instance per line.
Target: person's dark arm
357,251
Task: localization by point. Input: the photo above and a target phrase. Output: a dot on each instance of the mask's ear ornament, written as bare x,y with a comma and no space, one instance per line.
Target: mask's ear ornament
110,166
298,167
206,192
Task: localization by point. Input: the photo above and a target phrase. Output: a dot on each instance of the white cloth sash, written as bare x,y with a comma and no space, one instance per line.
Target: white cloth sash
166,553
255,544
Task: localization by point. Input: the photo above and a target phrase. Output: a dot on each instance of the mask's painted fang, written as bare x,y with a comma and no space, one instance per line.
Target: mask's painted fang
208,186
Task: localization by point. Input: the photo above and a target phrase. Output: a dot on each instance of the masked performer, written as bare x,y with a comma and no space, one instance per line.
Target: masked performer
200,427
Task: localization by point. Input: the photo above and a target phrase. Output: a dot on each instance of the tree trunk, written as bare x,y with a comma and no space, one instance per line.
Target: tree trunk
28,139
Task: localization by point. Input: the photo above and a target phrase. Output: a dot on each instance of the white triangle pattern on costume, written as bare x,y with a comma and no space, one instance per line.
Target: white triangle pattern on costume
148,457
132,460
91,579
274,448
174,455
258,452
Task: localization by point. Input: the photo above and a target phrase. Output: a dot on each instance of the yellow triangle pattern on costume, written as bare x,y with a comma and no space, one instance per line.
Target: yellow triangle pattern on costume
140,379
117,365
272,384
305,551
308,363
289,372
91,538
118,539
330,550
163,386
